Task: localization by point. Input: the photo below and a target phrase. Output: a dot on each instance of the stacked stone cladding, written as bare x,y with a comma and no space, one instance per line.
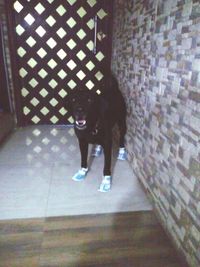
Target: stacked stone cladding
156,59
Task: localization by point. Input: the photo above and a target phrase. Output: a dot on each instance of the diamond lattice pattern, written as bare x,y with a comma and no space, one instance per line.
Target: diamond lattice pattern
55,42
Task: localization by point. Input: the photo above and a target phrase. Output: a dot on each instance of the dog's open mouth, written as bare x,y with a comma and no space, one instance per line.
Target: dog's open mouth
80,124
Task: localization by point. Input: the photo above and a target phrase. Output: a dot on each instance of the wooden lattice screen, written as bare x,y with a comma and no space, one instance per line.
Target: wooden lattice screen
53,49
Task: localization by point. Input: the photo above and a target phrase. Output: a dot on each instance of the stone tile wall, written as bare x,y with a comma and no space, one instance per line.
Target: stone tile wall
156,59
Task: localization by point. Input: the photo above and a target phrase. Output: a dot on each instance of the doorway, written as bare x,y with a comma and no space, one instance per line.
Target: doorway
57,46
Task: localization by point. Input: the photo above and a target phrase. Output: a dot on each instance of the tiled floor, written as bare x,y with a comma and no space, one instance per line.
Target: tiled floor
36,166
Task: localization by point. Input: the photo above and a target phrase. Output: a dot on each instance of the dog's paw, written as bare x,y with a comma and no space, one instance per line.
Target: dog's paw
122,155
97,150
80,175
105,185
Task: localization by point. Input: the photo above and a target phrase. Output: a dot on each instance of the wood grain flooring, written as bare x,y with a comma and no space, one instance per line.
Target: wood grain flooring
132,239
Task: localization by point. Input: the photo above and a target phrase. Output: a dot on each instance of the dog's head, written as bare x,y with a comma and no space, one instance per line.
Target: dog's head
83,106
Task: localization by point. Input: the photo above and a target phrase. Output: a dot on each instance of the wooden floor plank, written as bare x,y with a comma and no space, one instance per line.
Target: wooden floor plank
20,242
21,226
125,239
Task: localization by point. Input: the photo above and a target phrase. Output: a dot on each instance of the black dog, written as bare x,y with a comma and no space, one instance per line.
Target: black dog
94,117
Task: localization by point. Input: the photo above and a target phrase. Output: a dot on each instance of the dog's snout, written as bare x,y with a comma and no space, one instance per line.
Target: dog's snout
80,109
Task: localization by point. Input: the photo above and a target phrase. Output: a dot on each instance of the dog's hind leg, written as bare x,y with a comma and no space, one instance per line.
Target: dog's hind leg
122,155
81,174
122,131
97,150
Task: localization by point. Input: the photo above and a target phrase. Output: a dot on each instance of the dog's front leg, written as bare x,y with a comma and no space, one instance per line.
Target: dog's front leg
81,174
107,157
105,185
83,145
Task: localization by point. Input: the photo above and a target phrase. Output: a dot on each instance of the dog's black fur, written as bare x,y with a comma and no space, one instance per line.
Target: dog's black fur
94,117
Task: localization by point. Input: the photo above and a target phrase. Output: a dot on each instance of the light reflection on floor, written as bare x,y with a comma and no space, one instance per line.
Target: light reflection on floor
36,166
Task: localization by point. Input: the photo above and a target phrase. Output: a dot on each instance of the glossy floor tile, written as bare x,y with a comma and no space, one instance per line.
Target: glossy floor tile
36,166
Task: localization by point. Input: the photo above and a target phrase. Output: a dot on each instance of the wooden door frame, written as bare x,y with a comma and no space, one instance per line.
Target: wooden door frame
13,59
5,103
